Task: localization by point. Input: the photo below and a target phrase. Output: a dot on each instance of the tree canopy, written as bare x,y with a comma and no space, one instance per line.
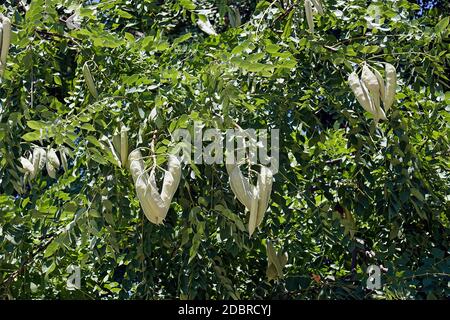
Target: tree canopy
350,191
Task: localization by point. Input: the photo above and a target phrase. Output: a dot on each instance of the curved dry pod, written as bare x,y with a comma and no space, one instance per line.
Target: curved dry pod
171,179
116,140
154,204
265,189
318,6
273,258
1,39
6,41
240,185
39,158
53,159
253,211
380,83
27,165
136,165
309,15
391,85
370,80
62,154
361,93
52,164
140,178
141,191
123,145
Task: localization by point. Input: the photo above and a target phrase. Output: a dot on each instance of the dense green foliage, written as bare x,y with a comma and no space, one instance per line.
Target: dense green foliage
348,193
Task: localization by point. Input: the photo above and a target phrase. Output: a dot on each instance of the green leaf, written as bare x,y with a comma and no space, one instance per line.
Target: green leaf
32,136
188,4
442,25
36,125
51,249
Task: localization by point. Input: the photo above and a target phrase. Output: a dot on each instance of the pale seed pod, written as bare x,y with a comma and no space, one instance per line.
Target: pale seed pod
62,154
89,80
52,164
273,258
158,205
140,178
380,83
240,185
123,145
39,158
309,15
27,165
6,41
51,170
136,165
206,26
271,272
144,199
171,179
113,151
116,140
318,6
265,189
283,259
1,39
53,159
253,211
361,93
391,85
234,17
154,204
370,80
379,114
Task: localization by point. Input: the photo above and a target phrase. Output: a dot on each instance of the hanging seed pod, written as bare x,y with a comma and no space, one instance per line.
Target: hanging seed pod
206,26
309,15
116,140
39,159
380,84
1,39
53,163
113,151
371,82
240,185
136,165
234,16
361,93
171,179
391,85
123,145
89,80
154,204
283,259
27,165
265,189
318,5
62,154
253,211
140,178
273,258
161,202
254,198
6,41
53,159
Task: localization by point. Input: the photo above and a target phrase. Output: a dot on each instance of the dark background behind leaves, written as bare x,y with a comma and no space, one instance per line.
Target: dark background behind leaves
347,195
